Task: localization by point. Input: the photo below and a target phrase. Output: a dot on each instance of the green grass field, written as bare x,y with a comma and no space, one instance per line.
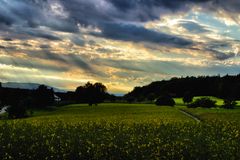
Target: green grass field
123,131
113,112
217,113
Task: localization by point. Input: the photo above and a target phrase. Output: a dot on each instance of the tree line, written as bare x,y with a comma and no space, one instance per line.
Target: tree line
18,101
226,87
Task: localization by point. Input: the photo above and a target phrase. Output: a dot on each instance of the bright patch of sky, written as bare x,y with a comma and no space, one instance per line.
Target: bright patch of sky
231,30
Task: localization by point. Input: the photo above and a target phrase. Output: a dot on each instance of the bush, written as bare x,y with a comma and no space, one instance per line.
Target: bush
229,104
188,97
202,102
165,101
18,109
1,105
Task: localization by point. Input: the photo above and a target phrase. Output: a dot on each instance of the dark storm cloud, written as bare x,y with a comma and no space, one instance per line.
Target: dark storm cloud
220,55
230,6
219,44
220,50
172,5
7,39
21,12
42,34
34,13
63,25
114,18
93,12
30,13
140,34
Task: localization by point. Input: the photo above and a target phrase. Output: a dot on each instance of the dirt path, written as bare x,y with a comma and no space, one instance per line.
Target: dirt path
190,115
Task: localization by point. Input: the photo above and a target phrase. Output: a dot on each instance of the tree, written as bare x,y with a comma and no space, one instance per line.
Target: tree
43,97
91,93
110,97
188,97
151,97
165,101
99,92
204,102
1,95
130,99
17,110
229,104
221,87
80,95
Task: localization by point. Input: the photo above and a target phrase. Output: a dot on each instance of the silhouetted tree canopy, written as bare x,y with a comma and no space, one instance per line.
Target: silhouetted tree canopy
204,102
165,100
43,97
188,97
222,87
18,110
1,103
19,100
91,93
229,104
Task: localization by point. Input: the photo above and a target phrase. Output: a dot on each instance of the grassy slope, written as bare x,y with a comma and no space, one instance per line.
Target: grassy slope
215,113
129,113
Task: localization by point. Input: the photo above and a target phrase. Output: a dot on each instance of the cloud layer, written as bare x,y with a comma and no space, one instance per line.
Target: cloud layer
122,43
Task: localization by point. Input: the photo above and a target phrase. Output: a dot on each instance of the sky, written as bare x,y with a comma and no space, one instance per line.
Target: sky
121,43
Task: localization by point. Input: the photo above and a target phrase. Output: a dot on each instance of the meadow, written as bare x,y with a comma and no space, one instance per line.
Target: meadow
122,131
